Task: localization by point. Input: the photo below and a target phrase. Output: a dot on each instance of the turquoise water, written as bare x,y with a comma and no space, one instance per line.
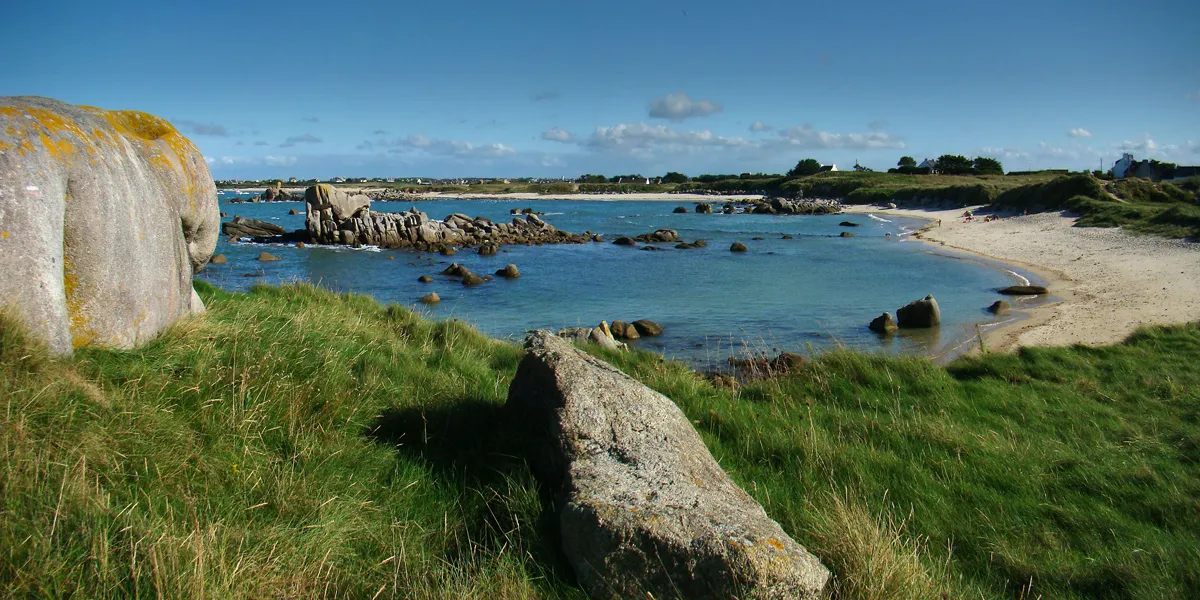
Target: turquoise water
814,291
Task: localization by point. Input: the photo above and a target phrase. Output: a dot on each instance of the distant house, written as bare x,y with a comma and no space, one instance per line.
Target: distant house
291,180
929,163
339,180
1121,167
828,168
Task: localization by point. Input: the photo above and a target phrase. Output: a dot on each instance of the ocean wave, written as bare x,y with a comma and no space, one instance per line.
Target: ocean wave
878,218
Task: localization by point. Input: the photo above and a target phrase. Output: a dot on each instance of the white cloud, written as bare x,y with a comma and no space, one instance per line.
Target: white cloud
556,134
677,107
641,135
547,95
1079,132
210,160
1146,144
760,126
806,137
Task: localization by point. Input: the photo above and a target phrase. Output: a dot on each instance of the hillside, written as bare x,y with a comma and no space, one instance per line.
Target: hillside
297,443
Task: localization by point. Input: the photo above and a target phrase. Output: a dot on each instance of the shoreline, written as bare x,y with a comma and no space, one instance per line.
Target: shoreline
1105,282
636,196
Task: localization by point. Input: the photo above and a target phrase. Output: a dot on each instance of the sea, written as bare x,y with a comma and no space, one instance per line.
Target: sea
812,292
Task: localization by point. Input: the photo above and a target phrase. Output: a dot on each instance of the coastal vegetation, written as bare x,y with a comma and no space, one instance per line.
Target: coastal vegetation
293,442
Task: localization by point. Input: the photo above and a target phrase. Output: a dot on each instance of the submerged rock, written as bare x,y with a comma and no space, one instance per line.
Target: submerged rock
217,259
645,511
509,271
680,209
923,313
999,307
431,298
737,247
268,257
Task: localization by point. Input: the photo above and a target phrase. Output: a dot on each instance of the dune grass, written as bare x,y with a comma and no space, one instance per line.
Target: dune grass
297,443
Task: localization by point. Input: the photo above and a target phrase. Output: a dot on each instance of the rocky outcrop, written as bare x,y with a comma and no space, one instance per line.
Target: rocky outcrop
703,208
268,257
645,511
509,271
624,241
431,298
884,324
737,247
218,259
104,218
334,217
790,206
680,209
923,313
1024,290
243,227
848,224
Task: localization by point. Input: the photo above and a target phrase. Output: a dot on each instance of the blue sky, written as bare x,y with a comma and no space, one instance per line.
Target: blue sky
472,88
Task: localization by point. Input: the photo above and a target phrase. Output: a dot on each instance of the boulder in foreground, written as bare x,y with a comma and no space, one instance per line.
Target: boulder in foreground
105,216
645,510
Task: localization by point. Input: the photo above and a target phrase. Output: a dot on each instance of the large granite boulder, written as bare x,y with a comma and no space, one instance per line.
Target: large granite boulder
104,218
326,207
645,510
923,313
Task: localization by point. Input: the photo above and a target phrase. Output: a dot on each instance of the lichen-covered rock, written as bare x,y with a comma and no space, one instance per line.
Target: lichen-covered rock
645,510
104,218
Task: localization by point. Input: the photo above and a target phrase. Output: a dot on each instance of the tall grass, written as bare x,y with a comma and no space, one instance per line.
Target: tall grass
297,443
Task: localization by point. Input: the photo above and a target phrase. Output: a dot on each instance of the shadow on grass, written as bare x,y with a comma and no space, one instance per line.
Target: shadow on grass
479,446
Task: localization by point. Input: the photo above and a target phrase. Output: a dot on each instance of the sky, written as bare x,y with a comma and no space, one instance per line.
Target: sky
457,88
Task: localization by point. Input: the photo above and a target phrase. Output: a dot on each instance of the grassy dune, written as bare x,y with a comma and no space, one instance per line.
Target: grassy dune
297,443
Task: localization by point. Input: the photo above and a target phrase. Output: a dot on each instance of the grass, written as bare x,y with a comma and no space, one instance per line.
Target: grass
297,443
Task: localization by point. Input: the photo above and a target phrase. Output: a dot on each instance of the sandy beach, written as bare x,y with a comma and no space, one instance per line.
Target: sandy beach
1108,282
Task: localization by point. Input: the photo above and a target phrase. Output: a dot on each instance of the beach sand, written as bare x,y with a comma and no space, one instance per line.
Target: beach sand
1107,282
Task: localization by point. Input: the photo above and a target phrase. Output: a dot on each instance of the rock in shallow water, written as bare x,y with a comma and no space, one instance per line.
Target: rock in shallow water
883,324
645,510
1024,290
918,314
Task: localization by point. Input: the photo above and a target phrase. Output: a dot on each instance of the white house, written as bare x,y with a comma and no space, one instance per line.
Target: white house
1122,166
827,168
